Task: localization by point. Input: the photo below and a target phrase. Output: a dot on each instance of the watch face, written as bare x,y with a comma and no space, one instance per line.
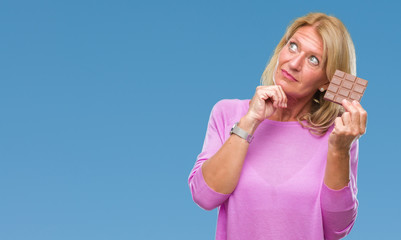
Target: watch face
231,131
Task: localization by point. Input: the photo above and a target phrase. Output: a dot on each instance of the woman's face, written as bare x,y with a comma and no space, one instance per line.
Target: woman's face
300,70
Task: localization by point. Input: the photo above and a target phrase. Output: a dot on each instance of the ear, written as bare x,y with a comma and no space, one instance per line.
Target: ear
325,86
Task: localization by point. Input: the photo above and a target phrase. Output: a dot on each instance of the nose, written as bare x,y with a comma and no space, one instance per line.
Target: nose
296,62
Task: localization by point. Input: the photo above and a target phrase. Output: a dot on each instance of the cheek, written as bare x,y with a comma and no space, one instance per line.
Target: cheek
283,56
282,59
314,79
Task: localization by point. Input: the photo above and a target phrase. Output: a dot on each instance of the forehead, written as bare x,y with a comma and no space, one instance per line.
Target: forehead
309,38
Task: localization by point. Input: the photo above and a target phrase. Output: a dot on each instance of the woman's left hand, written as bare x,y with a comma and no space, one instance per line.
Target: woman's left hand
349,127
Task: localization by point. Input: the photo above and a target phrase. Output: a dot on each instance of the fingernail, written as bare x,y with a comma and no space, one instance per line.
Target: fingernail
355,102
345,101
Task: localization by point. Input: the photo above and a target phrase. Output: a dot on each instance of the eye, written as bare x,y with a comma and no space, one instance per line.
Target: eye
293,47
314,60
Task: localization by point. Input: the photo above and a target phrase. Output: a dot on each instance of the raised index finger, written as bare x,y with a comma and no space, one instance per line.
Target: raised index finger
355,117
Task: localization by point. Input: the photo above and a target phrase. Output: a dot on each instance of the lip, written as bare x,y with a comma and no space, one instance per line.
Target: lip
288,76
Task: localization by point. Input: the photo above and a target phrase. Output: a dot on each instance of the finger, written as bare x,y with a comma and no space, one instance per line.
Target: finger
354,113
276,94
264,93
338,125
272,95
346,119
284,97
279,96
363,117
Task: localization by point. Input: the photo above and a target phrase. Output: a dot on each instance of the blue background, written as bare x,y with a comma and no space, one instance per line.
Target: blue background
104,107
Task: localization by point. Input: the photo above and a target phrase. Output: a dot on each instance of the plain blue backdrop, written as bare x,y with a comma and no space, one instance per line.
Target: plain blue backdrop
104,107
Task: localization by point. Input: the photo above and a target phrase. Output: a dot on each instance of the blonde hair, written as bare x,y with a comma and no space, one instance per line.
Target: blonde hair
338,53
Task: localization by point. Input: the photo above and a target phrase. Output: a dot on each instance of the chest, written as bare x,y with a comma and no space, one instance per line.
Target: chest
282,170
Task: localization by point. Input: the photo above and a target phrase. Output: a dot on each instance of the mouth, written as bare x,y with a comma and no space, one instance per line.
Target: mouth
288,76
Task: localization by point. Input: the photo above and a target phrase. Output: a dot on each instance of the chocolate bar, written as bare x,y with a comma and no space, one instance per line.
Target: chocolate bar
345,86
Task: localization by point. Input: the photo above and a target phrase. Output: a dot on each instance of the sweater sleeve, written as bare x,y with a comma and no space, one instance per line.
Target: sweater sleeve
202,194
339,207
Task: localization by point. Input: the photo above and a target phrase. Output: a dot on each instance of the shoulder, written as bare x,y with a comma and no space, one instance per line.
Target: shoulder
231,107
229,111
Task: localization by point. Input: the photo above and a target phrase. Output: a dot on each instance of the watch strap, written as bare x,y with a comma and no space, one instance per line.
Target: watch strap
241,133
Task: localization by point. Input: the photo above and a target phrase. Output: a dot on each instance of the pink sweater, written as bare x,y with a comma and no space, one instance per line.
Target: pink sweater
280,193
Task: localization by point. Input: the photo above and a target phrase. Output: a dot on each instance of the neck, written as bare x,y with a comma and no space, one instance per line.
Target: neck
295,108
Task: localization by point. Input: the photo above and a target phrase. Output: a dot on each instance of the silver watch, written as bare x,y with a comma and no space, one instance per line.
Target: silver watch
241,133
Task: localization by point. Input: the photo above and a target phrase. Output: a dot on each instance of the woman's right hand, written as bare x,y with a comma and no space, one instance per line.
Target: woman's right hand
265,102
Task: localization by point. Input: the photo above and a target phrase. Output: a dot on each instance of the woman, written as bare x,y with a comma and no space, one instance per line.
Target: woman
297,178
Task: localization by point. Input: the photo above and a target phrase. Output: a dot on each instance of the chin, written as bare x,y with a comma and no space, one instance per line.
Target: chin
288,89
283,84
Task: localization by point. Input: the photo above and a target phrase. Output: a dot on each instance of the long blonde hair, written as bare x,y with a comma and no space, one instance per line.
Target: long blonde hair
338,53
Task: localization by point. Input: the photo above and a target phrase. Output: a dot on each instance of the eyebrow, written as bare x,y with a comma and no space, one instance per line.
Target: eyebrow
313,52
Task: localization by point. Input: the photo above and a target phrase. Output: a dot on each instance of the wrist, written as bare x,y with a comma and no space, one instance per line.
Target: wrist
248,124
339,151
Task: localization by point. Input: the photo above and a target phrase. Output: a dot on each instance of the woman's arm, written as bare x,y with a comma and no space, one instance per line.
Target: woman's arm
340,206
338,196
222,171
348,128
207,195
218,168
